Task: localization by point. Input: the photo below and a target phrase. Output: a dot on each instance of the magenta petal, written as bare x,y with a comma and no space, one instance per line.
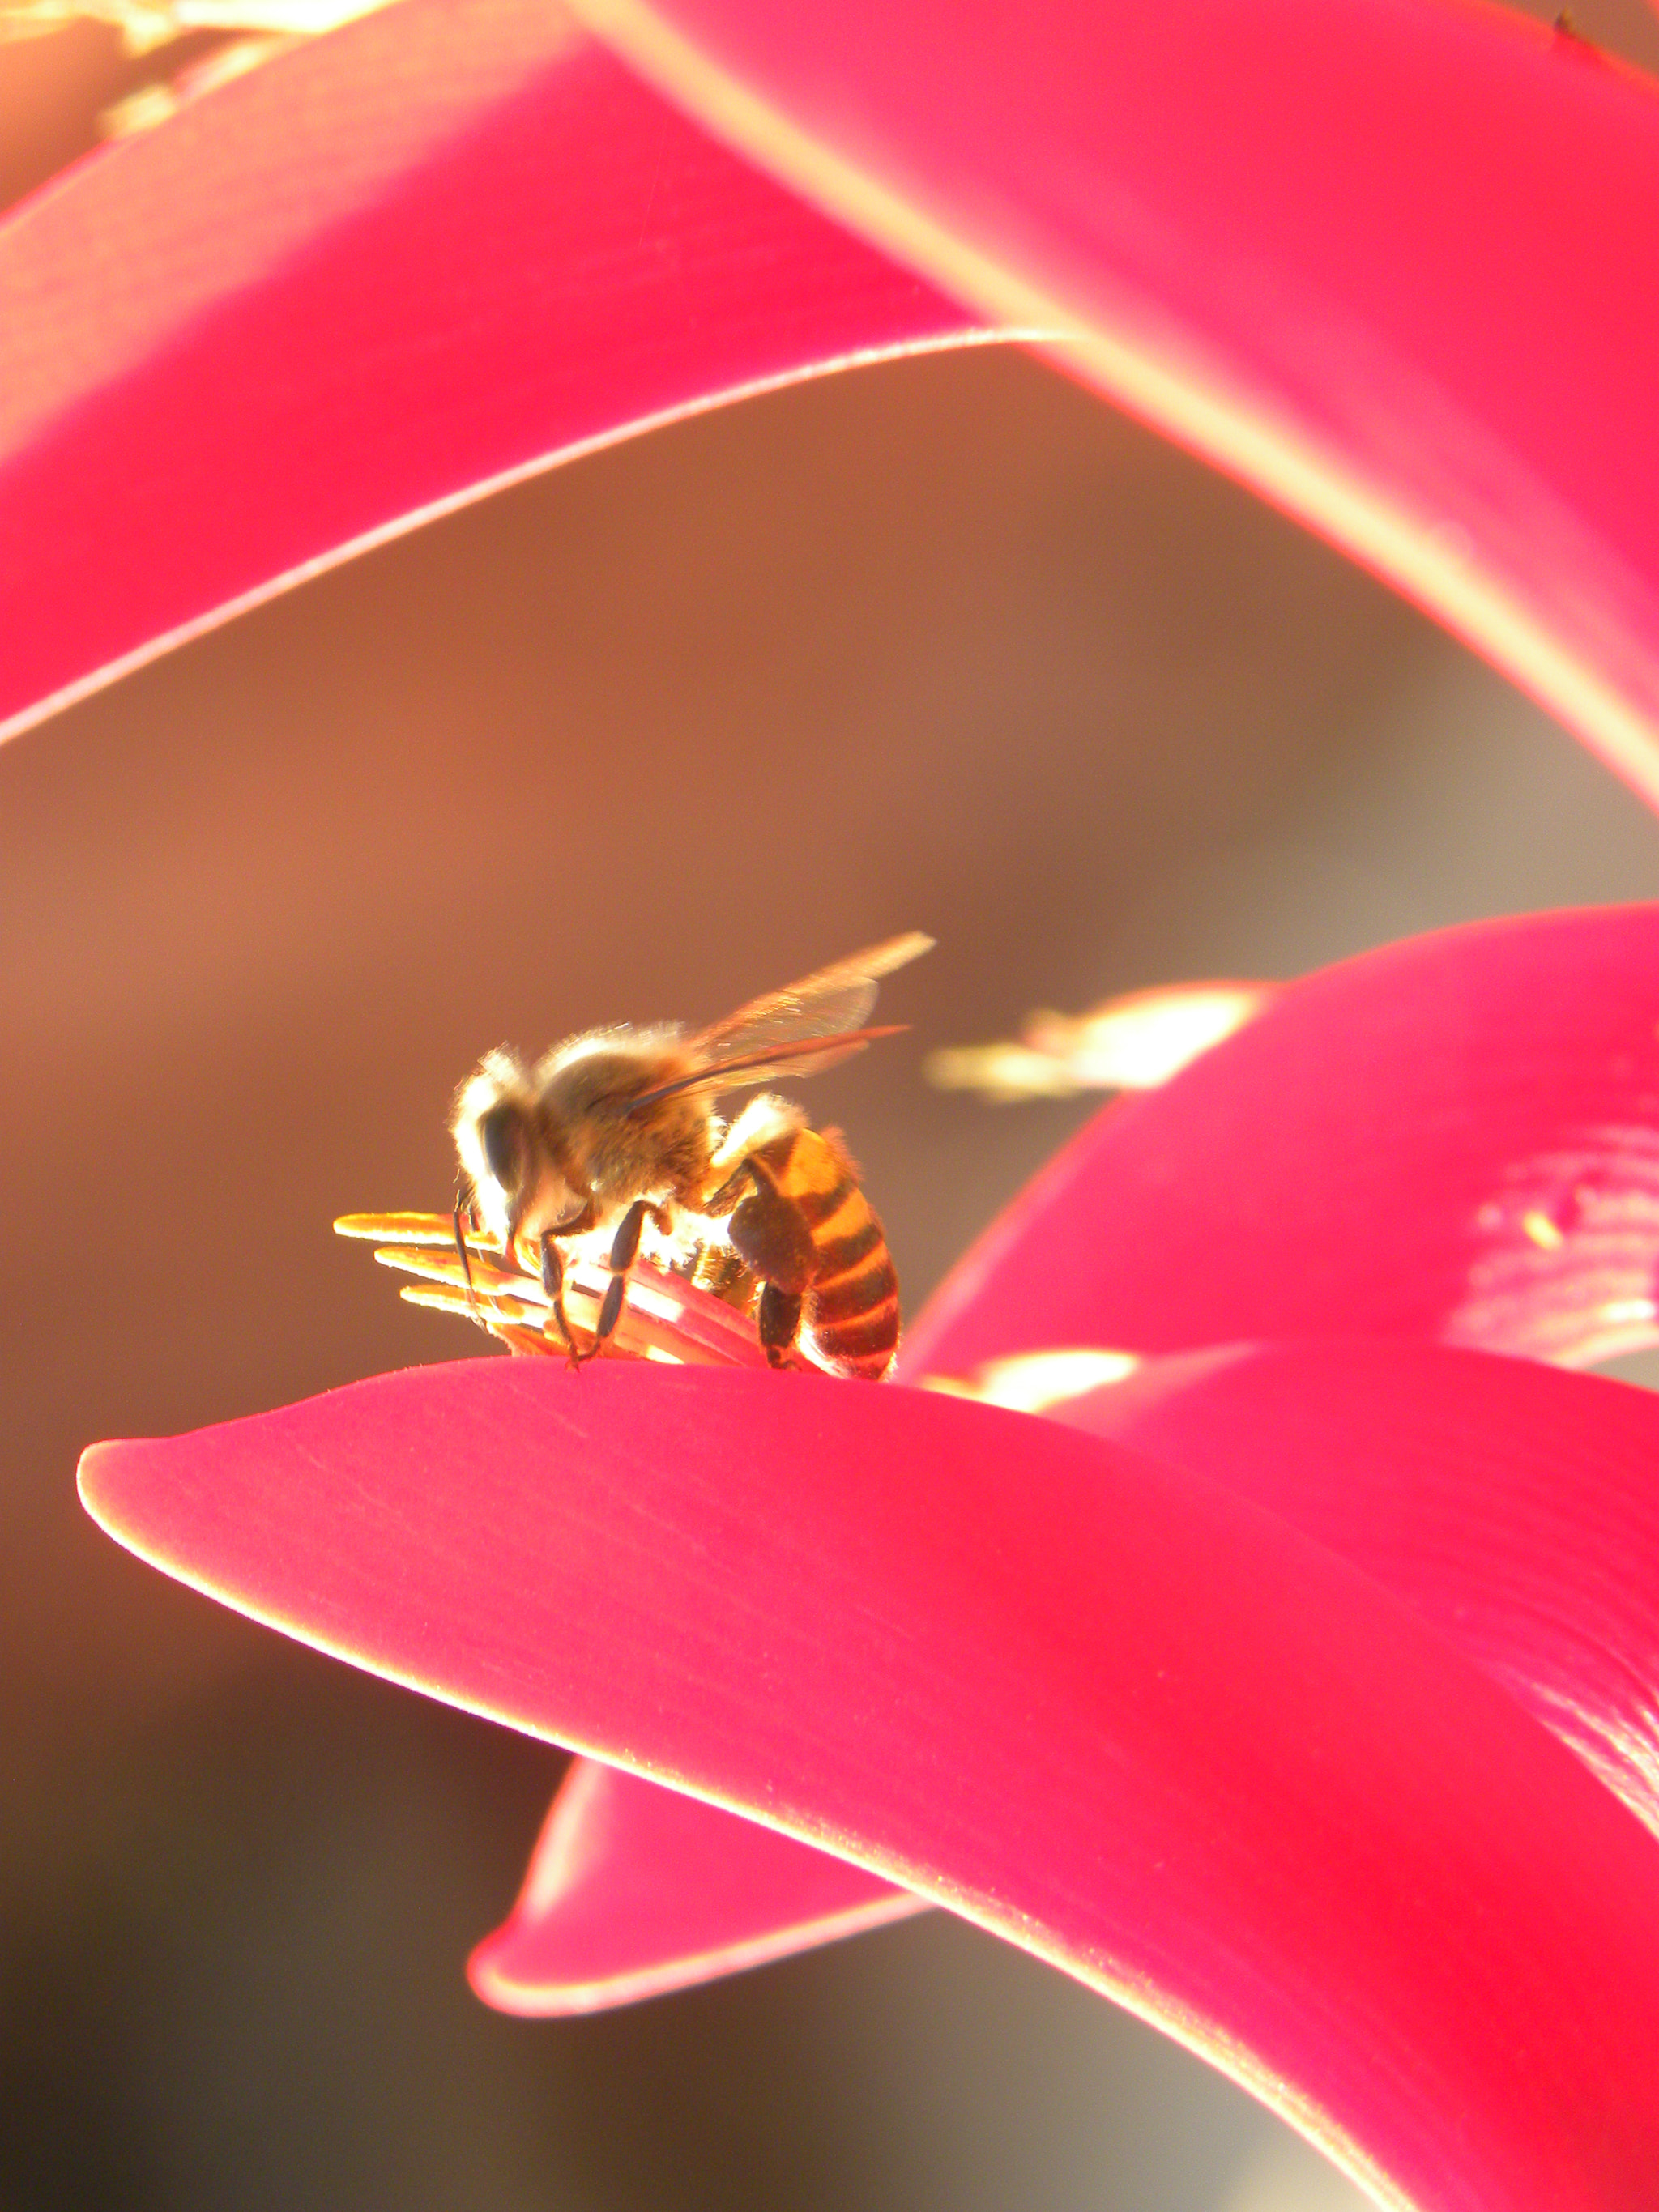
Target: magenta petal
443,247
1513,1506
1456,1137
1389,261
1101,1706
633,1890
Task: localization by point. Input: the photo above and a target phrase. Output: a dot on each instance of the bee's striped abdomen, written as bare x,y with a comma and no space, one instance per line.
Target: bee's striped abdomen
853,1307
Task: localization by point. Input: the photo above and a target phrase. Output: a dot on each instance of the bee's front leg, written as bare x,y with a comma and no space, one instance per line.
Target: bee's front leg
624,1250
553,1284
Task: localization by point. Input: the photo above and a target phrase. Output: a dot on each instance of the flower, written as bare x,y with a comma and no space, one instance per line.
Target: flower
315,335
1224,1690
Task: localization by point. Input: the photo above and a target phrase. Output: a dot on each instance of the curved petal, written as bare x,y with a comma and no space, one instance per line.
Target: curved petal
1511,1505
633,1890
1102,1707
436,251
1455,1138
1388,261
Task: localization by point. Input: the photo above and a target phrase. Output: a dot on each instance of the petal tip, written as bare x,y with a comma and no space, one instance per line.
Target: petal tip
508,1969
95,1478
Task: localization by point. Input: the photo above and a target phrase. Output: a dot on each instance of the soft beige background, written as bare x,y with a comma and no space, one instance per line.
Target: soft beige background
943,645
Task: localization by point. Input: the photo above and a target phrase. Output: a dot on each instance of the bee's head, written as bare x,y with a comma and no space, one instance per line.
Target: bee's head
498,1139
494,1138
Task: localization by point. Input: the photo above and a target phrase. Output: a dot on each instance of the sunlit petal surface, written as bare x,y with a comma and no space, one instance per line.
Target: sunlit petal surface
1455,1138
443,247
1389,261
633,1890
1103,1707
1512,1505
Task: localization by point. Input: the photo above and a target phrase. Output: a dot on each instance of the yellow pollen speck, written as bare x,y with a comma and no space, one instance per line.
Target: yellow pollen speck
1542,1231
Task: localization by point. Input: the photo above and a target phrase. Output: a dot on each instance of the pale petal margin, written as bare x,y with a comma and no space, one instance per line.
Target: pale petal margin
1390,262
1104,1708
393,270
633,1890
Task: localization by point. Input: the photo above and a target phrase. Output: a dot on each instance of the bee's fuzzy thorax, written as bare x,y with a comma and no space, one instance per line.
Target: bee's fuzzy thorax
592,1103
625,1042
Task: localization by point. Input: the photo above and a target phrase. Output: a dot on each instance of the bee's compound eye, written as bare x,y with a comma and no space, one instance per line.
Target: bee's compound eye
501,1140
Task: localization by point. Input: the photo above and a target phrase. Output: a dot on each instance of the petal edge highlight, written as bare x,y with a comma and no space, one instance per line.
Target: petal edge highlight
633,1891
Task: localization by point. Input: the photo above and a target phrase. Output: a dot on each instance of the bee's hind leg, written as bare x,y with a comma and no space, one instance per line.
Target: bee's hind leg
624,1250
773,1237
779,1323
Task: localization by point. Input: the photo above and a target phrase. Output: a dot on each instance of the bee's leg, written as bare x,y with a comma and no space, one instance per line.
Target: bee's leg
773,1237
624,1250
780,1323
553,1284
464,1218
715,1205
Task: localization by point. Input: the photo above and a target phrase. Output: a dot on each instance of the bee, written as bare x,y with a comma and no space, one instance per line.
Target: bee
617,1127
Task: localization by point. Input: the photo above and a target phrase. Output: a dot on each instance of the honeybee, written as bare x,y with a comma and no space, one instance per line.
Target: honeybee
617,1127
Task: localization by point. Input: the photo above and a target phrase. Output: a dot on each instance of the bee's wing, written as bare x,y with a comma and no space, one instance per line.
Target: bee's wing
804,1027
831,1003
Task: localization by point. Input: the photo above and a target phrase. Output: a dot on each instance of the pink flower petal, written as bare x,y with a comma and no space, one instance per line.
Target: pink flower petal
444,247
1512,1506
1101,1706
1456,1137
1388,261
634,1889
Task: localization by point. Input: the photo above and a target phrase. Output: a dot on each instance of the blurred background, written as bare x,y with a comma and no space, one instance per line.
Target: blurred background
1089,715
